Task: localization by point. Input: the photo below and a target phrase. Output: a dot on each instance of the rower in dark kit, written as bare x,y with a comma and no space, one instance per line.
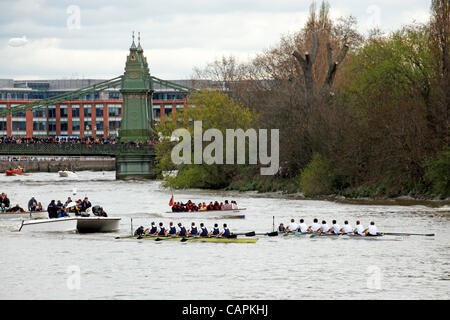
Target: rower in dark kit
139,231
152,229
181,230
225,233
215,230
161,231
172,229
193,230
203,231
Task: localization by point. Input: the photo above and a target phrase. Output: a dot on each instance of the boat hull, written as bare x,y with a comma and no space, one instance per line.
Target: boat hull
22,215
72,224
13,172
213,214
197,239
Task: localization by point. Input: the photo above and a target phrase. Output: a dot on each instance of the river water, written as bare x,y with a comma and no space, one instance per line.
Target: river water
97,266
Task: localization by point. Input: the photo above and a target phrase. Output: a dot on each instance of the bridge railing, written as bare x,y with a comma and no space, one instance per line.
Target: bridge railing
75,149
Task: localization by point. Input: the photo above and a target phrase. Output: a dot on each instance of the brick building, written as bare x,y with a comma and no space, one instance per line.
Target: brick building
97,114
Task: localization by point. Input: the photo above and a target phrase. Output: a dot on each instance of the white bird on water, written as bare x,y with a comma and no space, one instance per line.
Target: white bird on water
18,42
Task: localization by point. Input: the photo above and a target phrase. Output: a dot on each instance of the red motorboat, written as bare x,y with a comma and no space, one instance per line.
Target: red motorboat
14,172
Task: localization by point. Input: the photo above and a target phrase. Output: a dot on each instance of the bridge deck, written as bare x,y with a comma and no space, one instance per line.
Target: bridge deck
77,149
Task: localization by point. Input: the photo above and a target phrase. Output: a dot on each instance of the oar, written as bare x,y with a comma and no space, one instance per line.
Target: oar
269,234
407,234
248,234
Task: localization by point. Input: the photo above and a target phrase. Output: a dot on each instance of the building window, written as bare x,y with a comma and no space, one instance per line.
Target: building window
19,114
39,113
75,125
2,109
3,125
87,110
99,110
114,110
87,124
168,111
75,111
114,125
64,125
99,125
63,111
52,125
19,125
51,111
39,126
156,113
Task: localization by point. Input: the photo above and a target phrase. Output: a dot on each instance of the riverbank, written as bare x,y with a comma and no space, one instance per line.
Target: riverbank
290,189
58,165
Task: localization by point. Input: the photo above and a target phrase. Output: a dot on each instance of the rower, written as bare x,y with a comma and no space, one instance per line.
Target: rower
346,228
359,229
281,228
292,227
225,233
371,230
193,230
215,231
302,227
139,231
203,231
335,228
172,229
161,231
324,227
181,230
152,229
315,226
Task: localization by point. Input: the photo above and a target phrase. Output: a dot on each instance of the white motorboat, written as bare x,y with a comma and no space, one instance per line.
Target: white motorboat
72,224
67,174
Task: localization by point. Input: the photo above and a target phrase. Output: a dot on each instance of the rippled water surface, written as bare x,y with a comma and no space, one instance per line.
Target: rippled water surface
40,265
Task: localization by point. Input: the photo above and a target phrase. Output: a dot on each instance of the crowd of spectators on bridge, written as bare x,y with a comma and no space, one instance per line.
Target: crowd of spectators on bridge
69,140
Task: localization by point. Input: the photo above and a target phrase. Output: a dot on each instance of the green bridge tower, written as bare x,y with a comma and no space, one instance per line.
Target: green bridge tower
137,112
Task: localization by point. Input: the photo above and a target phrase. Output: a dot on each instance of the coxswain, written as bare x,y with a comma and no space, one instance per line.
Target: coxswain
181,230
359,229
215,230
172,229
203,232
139,231
161,231
281,228
315,226
292,227
32,204
302,227
152,229
324,227
371,230
225,233
335,228
346,228
193,230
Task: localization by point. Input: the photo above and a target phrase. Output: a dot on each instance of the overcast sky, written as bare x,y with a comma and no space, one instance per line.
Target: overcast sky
90,39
